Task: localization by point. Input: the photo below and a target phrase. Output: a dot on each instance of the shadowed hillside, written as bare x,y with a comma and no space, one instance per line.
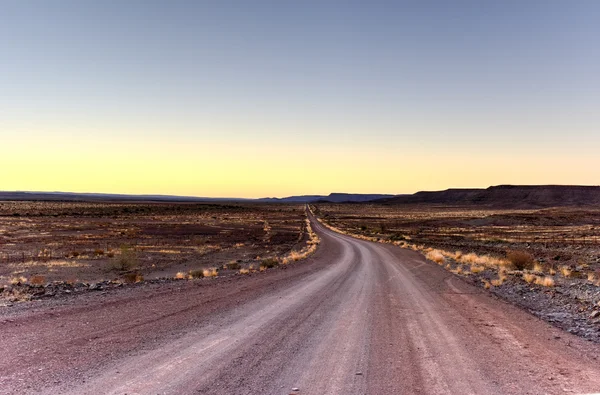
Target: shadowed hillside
507,196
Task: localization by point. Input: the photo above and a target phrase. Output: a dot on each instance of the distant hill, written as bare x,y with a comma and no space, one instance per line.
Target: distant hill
332,198
108,197
103,197
507,196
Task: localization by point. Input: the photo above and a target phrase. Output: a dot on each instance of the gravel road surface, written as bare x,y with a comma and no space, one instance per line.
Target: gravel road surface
355,318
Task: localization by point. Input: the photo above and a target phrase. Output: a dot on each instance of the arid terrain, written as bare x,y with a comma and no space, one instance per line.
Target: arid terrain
83,243
354,317
546,260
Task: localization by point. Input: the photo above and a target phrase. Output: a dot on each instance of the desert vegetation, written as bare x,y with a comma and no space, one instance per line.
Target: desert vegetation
546,260
42,242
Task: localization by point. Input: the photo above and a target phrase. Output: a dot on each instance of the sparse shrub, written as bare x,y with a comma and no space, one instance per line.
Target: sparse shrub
520,260
196,273
37,280
180,275
269,263
538,267
233,265
126,261
98,252
486,284
211,272
363,227
436,256
546,281
133,277
244,271
477,269
75,254
566,271
591,276
529,278
498,282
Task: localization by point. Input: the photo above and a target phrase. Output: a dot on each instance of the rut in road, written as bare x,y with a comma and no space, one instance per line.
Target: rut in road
356,318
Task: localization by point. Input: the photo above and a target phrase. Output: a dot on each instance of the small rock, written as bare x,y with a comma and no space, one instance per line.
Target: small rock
295,389
359,373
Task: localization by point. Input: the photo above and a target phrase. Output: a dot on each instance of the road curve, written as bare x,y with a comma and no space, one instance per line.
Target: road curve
356,318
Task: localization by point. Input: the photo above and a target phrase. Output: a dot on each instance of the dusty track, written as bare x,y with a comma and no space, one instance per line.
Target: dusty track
355,318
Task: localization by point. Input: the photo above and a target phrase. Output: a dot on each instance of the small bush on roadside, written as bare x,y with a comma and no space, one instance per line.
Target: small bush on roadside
520,260
180,276
529,278
37,280
477,269
233,265
436,256
212,272
133,277
196,273
126,261
269,263
566,271
244,271
546,281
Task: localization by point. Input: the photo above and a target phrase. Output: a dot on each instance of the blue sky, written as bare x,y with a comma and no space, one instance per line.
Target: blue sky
434,83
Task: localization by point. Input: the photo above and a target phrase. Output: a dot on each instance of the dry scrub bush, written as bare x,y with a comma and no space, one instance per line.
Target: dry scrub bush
498,282
486,284
233,265
197,273
566,271
538,267
546,281
126,261
133,277
477,269
180,276
269,263
244,271
529,278
436,256
37,280
520,260
212,272
591,276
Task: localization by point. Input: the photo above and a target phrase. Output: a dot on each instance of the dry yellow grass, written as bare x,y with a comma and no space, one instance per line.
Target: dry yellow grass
591,276
180,275
537,267
244,271
546,281
529,278
477,269
486,284
498,282
552,271
566,271
211,272
436,256
18,280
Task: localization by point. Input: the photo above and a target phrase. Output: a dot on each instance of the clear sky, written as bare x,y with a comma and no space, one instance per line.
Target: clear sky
257,98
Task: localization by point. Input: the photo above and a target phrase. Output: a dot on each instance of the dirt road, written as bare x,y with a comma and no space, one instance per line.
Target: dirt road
356,318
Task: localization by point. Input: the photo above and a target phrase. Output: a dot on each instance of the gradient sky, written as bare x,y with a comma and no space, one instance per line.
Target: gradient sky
256,98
